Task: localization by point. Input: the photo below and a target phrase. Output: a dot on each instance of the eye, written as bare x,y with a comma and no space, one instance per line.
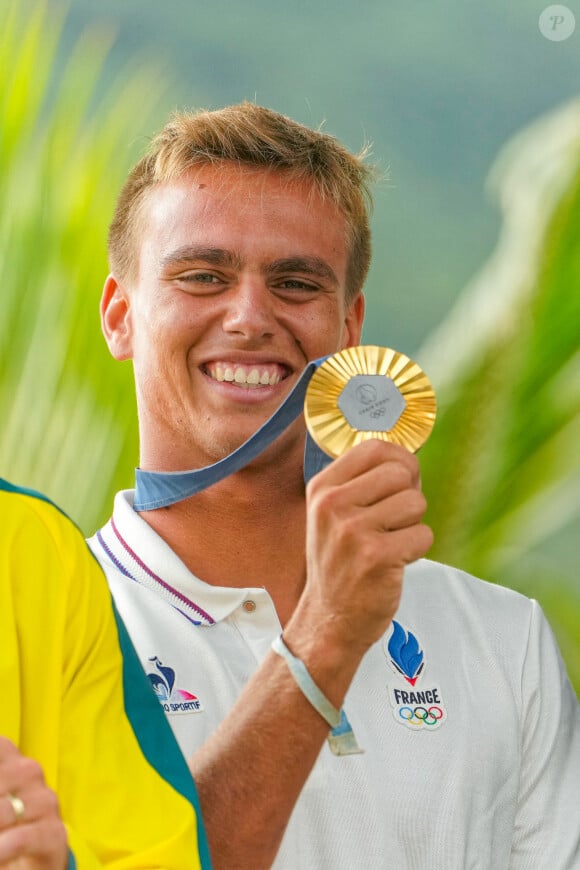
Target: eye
199,282
297,284
200,278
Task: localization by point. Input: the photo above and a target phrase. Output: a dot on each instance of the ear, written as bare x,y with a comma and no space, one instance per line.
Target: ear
116,319
353,321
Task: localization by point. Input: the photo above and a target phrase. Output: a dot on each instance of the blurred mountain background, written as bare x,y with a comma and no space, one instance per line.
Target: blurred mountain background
475,270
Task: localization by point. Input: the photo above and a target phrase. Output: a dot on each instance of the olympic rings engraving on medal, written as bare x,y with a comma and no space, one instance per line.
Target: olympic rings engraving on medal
421,715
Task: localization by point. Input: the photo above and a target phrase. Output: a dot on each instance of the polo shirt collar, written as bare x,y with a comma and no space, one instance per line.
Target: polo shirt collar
141,554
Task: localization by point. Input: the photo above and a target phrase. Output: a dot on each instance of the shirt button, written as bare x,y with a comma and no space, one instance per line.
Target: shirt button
249,606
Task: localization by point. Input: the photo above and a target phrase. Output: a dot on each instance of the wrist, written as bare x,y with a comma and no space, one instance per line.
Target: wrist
331,661
341,738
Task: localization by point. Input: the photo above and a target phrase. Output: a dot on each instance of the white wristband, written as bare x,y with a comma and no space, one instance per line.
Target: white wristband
341,738
306,684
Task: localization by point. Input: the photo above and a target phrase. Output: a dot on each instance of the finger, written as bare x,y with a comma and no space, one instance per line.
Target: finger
380,483
12,845
12,810
44,841
370,537
406,545
399,511
366,457
8,749
18,772
24,795
38,802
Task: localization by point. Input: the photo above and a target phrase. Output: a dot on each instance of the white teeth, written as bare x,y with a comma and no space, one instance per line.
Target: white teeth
242,376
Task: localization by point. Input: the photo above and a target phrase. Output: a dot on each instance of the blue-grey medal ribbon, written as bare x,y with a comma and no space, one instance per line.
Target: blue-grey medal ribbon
157,489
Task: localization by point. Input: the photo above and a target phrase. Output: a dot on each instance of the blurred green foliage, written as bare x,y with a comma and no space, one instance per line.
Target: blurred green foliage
502,468
69,424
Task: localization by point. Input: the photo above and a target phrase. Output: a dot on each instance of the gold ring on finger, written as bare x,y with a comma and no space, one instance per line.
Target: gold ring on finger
18,807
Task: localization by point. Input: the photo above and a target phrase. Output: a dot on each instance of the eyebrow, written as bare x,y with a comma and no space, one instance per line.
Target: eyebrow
191,253
314,266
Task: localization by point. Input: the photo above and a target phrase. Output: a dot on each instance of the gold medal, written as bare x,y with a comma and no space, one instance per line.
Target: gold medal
369,392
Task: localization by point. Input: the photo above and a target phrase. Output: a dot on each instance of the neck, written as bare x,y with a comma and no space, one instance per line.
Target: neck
247,530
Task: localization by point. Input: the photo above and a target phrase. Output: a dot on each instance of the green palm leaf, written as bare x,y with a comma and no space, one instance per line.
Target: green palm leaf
69,415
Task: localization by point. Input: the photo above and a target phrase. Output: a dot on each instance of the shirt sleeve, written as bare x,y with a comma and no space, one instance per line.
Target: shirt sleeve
124,788
547,824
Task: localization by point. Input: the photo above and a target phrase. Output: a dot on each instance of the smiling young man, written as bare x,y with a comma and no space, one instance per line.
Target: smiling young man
238,253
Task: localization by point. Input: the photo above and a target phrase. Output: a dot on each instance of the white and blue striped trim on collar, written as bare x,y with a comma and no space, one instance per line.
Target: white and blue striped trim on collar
126,560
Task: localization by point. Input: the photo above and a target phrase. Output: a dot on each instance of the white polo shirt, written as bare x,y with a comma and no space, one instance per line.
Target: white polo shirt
470,727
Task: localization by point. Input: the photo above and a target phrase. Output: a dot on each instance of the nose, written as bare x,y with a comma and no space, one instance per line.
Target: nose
250,311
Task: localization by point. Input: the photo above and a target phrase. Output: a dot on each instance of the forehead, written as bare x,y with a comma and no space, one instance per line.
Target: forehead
245,208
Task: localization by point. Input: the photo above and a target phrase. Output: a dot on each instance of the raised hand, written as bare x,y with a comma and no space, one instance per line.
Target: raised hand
364,526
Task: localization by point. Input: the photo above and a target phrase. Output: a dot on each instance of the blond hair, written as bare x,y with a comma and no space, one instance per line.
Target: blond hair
254,136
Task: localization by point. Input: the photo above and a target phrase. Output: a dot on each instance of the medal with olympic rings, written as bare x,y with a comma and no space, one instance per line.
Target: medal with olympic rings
369,392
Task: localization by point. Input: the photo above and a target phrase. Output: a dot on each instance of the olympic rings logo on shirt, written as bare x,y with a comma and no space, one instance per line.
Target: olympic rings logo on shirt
419,709
421,715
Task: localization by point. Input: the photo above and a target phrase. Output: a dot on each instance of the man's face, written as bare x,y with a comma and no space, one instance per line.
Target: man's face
240,282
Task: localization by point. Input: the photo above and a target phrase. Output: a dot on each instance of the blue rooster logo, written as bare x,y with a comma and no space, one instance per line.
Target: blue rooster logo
162,685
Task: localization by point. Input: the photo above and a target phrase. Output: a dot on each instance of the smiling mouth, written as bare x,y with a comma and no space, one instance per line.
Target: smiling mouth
247,376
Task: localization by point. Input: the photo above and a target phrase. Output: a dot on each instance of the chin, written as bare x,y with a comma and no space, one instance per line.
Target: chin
220,447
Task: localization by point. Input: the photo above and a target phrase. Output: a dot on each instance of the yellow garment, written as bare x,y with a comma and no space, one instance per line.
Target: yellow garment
74,697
